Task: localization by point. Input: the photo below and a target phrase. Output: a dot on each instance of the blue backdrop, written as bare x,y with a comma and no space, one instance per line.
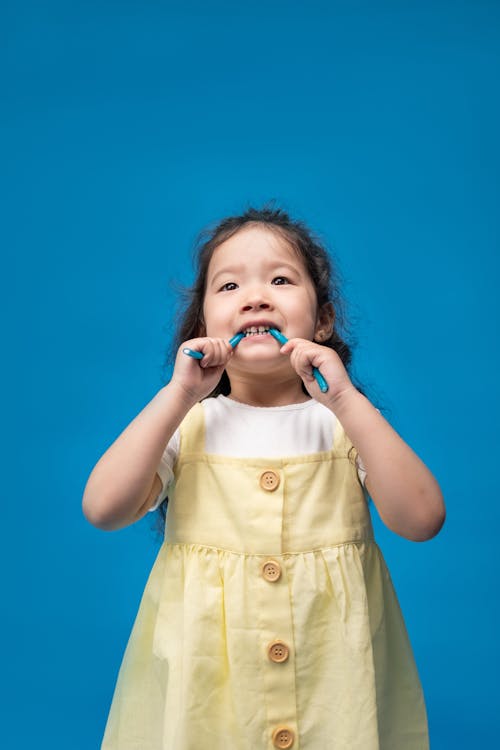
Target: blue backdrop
127,126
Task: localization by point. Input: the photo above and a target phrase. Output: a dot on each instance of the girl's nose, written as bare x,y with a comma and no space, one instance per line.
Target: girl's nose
255,302
256,296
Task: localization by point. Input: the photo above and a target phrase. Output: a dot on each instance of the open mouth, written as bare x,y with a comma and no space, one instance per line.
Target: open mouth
256,331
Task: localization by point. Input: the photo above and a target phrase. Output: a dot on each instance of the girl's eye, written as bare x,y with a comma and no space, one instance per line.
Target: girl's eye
230,285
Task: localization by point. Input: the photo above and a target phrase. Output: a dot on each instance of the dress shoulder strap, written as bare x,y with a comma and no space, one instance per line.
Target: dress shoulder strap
342,445
192,431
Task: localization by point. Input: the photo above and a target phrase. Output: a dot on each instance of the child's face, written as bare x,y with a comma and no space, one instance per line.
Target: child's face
256,279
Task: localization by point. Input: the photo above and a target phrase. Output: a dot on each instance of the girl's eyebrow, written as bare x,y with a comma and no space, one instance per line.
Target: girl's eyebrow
229,270
238,269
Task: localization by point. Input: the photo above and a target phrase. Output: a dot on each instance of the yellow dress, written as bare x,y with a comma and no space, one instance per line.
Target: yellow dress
269,619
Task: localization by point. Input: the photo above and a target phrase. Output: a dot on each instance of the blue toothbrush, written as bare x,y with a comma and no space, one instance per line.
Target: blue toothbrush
199,355
323,385
235,340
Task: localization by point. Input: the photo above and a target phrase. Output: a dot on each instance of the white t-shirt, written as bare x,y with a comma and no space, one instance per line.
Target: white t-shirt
243,431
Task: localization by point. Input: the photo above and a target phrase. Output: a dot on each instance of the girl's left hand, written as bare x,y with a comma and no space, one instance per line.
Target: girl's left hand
304,355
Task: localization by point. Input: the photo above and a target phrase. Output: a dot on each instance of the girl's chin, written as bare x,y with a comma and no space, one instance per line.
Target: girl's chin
267,349
259,362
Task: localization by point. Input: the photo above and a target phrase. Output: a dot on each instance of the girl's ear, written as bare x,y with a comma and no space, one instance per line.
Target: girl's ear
324,322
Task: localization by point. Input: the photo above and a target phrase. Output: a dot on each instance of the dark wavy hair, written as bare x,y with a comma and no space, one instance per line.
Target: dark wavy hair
324,274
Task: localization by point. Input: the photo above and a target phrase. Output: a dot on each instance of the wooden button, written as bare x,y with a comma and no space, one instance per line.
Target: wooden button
271,570
269,480
283,738
278,651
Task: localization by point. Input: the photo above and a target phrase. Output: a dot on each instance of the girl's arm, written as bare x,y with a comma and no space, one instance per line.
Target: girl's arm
406,494
123,483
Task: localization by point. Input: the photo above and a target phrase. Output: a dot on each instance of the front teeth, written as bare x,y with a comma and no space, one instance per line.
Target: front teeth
254,330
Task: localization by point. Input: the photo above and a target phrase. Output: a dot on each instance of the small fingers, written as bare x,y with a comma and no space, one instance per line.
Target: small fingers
216,352
301,360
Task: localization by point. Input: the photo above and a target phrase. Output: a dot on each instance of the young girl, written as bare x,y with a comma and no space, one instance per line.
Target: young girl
269,619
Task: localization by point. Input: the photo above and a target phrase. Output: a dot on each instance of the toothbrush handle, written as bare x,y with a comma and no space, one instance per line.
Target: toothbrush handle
323,385
192,353
235,340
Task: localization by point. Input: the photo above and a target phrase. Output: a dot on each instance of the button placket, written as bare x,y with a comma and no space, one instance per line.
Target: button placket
276,622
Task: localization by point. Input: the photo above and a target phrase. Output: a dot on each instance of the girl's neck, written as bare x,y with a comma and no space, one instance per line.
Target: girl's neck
265,393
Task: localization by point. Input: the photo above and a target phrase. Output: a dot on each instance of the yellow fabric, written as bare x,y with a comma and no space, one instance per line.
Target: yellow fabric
196,674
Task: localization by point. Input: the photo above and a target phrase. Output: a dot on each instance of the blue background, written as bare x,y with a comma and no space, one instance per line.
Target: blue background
129,126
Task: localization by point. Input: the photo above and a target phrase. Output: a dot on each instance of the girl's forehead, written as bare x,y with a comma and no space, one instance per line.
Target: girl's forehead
252,243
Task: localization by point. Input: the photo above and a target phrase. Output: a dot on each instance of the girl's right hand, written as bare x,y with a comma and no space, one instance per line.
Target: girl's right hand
198,377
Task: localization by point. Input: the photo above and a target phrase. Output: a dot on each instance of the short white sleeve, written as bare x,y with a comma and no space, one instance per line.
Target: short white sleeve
165,468
361,469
